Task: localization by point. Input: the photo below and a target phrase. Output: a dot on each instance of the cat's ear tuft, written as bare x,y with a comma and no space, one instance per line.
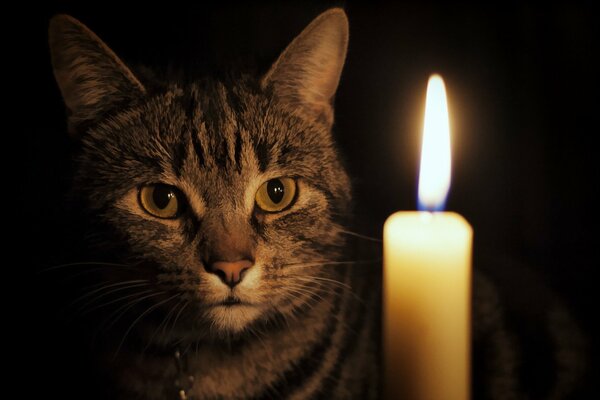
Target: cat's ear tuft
308,71
91,78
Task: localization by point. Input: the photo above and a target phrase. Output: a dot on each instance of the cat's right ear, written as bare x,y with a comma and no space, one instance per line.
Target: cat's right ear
91,78
306,75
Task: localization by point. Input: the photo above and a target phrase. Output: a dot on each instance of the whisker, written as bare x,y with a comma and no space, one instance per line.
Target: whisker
115,290
164,322
104,287
310,291
170,315
321,263
84,312
310,278
327,287
90,263
177,316
305,295
360,236
331,283
124,308
79,273
150,309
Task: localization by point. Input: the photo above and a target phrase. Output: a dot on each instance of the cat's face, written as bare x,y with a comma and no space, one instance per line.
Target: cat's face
226,197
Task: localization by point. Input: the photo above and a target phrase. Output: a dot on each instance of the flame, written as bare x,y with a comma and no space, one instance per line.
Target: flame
434,175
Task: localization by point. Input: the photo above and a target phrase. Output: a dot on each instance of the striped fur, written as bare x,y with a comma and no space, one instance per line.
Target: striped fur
305,324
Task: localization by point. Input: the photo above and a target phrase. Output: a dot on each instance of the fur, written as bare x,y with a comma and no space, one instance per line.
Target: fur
295,332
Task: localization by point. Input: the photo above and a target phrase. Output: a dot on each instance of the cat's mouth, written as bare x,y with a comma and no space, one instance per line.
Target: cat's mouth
230,302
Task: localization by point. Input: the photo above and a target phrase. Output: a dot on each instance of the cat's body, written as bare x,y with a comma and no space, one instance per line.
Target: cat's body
225,208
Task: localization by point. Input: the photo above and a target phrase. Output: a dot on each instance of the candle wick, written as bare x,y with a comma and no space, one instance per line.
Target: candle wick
426,216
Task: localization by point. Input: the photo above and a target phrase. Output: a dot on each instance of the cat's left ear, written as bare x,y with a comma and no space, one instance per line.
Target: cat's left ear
307,73
91,78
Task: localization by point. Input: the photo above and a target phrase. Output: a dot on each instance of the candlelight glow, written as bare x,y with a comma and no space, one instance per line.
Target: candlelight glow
434,175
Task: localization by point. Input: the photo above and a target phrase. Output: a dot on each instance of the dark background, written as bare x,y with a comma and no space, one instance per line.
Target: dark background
522,82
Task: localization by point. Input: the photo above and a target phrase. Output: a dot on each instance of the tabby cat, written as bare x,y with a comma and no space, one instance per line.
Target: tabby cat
225,213
227,202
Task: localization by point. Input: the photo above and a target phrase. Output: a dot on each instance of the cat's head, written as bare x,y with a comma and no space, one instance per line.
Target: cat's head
227,196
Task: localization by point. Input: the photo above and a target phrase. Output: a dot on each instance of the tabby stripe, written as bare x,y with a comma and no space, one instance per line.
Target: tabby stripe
284,150
179,156
191,226
235,102
257,226
262,154
198,149
308,365
237,154
349,342
220,154
314,386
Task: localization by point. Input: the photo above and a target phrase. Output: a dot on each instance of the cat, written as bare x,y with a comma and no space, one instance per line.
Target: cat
227,203
224,216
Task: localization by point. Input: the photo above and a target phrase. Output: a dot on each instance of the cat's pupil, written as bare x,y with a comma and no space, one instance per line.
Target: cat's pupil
275,190
162,195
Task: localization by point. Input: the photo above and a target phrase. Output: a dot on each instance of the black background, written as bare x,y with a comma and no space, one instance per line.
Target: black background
522,82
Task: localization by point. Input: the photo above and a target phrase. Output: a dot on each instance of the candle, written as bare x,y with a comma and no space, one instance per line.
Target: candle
427,275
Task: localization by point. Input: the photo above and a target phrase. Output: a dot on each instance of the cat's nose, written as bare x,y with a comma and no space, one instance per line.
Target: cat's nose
230,272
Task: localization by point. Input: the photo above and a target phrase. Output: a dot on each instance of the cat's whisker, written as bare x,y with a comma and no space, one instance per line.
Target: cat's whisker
360,236
295,313
310,278
105,287
321,263
323,286
87,272
123,309
328,287
293,301
99,296
84,312
85,263
187,302
306,295
310,291
148,310
164,323
331,283
292,295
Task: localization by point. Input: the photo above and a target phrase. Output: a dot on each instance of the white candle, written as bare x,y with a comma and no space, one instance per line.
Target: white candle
427,279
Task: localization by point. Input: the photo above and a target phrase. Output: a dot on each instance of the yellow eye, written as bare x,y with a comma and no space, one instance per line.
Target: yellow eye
276,194
160,200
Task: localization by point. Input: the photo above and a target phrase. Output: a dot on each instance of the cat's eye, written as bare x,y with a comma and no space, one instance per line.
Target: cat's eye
276,194
160,200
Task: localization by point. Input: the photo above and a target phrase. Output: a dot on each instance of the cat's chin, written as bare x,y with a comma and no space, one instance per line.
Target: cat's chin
234,318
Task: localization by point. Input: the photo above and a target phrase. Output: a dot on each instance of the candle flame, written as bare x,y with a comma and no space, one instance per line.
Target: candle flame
434,175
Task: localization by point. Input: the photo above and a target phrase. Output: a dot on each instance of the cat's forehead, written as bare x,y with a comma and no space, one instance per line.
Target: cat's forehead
194,132
215,107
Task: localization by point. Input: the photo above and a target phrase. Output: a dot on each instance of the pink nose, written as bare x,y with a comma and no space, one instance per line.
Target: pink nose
230,272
